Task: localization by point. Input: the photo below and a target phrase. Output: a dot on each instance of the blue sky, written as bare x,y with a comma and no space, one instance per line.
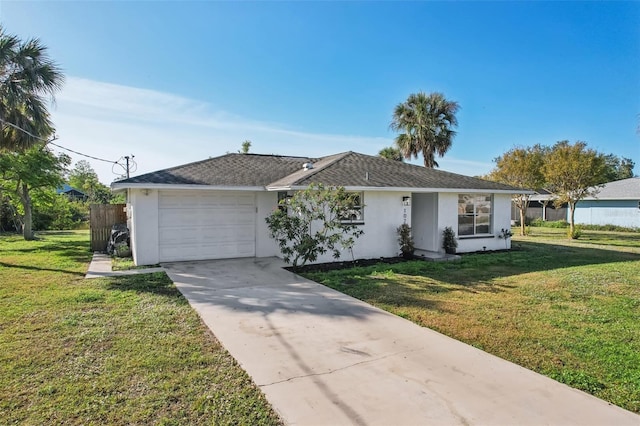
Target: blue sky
174,82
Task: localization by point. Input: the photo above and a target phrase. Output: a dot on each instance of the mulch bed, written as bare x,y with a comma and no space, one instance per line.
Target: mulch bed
333,266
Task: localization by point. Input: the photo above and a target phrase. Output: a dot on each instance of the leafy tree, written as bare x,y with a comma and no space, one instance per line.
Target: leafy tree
311,223
617,168
573,172
28,79
56,211
426,124
246,145
34,169
391,153
85,178
522,168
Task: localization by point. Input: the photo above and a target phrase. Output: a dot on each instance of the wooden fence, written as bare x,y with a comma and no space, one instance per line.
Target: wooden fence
102,218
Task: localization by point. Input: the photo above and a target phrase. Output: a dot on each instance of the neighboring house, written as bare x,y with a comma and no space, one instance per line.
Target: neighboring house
72,193
216,208
541,206
616,203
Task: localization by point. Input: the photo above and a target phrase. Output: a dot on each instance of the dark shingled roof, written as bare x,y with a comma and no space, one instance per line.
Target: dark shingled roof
349,169
227,170
360,170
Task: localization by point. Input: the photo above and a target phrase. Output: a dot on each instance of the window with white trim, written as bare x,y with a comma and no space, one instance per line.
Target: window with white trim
356,213
475,214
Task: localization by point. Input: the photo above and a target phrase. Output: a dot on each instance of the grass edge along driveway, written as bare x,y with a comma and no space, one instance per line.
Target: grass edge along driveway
122,350
568,310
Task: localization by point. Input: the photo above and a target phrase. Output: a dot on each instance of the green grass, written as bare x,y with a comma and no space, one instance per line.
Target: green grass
567,309
125,350
126,263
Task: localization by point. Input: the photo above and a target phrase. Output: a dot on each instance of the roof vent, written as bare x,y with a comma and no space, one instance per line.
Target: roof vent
307,166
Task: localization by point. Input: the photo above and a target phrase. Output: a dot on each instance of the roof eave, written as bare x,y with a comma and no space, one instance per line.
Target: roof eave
118,187
406,189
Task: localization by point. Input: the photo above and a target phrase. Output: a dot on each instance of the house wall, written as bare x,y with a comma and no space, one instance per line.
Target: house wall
428,214
143,225
448,216
266,246
608,212
384,212
425,222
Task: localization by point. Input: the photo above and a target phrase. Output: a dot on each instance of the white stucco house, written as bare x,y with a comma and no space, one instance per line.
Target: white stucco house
616,203
216,208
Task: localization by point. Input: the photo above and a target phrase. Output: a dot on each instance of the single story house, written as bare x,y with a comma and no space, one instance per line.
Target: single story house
616,203
216,208
72,193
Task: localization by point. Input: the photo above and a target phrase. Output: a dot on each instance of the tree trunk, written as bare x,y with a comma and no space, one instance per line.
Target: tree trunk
428,158
572,211
523,215
27,226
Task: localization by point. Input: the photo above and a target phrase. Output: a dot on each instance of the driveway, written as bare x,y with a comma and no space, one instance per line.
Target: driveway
324,358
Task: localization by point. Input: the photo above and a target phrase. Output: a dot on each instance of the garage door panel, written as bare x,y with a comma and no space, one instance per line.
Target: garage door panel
205,217
177,236
206,225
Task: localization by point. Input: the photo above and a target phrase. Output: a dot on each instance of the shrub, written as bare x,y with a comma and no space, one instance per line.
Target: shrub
538,222
405,239
312,222
449,243
577,233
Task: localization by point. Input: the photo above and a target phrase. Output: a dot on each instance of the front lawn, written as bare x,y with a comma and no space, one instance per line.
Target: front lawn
567,309
125,350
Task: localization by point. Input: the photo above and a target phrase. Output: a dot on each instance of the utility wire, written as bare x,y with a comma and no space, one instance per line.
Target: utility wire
50,141
84,155
25,131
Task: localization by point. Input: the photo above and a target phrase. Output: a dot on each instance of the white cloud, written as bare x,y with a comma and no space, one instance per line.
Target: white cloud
164,130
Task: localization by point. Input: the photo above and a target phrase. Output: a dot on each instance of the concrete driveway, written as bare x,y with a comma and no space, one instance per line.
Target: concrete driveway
324,358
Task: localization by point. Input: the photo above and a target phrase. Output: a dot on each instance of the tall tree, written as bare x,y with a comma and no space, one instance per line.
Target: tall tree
21,173
522,168
426,124
391,153
85,178
573,172
617,168
28,80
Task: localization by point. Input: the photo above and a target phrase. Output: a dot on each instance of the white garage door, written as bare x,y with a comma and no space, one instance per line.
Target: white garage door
197,225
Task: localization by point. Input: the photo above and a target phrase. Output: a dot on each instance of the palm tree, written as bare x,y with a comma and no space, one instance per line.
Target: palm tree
391,153
426,123
28,81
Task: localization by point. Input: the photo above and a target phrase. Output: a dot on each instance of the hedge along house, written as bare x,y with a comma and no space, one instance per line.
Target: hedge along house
216,208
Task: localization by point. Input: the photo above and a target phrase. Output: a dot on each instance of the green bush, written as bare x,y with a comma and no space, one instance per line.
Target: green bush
577,233
613,228
58,212
549,224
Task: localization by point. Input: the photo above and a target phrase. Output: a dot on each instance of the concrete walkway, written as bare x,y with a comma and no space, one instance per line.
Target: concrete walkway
100,267
324,358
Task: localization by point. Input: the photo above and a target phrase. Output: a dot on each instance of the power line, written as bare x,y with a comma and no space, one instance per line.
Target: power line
50,141
84,155
26,131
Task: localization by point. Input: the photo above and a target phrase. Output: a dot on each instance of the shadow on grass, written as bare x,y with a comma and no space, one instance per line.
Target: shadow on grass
38,268
417,283
155,283
481,268
77,251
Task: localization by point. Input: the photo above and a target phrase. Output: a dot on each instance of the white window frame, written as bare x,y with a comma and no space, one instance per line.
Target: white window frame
356,216
476,204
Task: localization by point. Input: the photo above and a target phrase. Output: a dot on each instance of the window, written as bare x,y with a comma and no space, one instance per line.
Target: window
283,195
474,214
356,213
